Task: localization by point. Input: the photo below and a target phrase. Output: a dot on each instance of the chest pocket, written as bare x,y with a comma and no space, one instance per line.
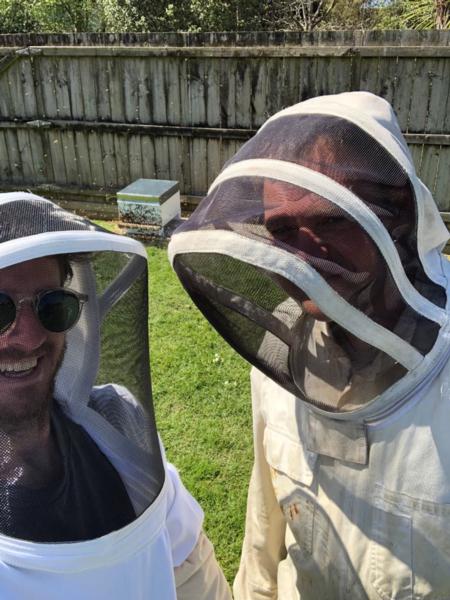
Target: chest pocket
410,548
323,569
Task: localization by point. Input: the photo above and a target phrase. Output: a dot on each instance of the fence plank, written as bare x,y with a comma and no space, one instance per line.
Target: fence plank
197,92
131,91
419,94
83,158
228,92
70,158
5,166
199,166
75,90
212,93
42,168
429,167
89,87
185,162
442,182
16,90
173,84
213,154
15,158
27,84
159,92
135,157
116,89
403,94
143,93
185,98
243,94
148,157
5,95
62,89
109,160
46,74
104,112
23,141
174,158
57,157
439,75
162,158
96,159
122,160
260,86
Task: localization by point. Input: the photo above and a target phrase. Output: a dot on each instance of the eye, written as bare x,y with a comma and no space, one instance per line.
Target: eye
283,231
333,221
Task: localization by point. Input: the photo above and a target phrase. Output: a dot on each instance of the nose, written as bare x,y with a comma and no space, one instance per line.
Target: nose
26,333
312,242
306,240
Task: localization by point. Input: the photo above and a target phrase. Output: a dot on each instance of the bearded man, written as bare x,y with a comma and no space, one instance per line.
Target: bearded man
89,507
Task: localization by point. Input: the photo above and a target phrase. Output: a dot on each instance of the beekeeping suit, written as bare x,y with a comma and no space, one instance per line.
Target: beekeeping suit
317,255
94,511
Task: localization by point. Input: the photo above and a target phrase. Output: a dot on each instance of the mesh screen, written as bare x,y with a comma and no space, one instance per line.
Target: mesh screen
124,354
309,356
22,218
345,153
273,321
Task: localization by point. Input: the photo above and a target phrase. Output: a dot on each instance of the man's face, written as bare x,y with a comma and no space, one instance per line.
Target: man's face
29,354
317,229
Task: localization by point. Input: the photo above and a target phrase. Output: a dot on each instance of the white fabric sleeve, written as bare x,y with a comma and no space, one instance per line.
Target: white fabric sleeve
184,517
200,577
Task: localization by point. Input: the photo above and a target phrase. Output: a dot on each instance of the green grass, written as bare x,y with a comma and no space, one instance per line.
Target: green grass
202,401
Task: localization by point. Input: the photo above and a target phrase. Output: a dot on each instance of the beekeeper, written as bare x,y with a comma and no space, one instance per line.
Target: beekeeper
317,255
89,507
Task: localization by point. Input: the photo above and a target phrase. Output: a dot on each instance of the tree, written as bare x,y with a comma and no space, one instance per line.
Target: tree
350,14
298,15
413,14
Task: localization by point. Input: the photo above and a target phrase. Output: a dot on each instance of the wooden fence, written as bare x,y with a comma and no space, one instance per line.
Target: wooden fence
83,115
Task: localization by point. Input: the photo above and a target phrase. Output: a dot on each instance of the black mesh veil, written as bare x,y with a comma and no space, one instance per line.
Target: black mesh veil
306,255
79,451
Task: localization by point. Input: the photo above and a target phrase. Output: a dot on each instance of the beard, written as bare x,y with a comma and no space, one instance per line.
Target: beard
34,410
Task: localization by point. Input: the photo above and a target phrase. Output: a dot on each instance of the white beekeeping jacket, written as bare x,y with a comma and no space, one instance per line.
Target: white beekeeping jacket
317,255
103,385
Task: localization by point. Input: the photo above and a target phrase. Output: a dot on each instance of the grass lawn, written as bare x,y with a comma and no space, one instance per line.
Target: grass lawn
202,399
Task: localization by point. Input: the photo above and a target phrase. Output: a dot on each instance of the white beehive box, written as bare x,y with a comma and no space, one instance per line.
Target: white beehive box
149,202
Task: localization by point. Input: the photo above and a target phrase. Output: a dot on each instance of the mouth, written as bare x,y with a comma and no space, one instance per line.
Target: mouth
18,369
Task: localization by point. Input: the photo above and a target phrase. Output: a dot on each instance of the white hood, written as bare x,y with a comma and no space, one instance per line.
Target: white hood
317,255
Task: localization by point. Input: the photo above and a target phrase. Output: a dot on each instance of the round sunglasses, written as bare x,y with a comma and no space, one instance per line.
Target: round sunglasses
58,309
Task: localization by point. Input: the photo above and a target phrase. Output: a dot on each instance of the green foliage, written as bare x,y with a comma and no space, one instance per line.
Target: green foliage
52,16
193,15
413,14
56,16
350,14
15,16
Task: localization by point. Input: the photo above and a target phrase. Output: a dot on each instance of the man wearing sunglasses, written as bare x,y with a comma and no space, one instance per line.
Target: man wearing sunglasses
317,255
89,507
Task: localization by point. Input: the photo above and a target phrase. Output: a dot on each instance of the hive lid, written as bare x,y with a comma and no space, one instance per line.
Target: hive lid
149,190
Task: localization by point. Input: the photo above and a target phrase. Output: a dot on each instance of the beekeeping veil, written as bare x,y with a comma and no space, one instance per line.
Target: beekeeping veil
103,383
316,254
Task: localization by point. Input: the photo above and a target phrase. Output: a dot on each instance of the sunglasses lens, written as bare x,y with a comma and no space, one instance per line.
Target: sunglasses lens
58,310
7,312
